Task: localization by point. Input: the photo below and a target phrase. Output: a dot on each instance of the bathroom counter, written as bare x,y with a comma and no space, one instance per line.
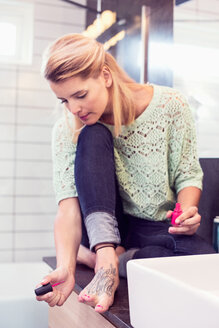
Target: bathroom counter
118,314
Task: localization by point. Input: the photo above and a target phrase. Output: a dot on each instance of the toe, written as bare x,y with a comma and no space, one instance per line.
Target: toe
103,304
87,299
80,298
99,308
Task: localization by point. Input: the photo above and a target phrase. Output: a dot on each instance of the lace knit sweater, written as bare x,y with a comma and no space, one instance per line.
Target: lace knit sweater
155,157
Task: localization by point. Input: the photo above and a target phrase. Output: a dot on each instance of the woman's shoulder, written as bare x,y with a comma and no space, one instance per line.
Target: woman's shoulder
170,100
59,127
166,93
62,131
59,123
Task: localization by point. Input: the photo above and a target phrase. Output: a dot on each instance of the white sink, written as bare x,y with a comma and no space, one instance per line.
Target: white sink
18,306
174,292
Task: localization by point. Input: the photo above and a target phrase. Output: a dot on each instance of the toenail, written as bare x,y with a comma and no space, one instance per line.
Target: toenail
100,306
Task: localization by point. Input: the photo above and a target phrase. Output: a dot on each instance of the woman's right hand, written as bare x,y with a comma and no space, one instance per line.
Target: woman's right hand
61,292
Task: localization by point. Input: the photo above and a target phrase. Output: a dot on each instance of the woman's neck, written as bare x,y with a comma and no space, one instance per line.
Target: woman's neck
142,99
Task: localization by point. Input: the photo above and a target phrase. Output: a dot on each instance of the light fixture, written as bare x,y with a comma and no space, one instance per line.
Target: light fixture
113,41
106,19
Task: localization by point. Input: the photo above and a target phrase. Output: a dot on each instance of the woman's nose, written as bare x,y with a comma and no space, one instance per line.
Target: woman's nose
74,108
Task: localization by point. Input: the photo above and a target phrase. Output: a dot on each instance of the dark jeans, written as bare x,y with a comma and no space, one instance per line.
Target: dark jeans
154,240
98,194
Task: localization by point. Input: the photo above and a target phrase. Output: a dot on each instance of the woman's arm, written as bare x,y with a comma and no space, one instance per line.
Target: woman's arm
188,197
67,232
189,221
184,168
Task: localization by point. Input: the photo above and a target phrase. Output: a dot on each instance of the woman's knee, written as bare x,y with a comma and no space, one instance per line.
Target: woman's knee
95,146
95,135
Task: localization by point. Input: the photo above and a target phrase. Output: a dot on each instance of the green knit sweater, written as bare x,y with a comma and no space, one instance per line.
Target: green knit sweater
155,157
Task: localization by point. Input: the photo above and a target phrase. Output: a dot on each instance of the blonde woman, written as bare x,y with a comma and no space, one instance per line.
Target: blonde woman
119,168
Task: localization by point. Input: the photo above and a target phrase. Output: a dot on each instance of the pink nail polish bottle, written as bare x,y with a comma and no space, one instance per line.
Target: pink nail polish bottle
177,212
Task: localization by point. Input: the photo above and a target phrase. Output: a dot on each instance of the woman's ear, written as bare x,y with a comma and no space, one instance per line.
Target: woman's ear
107,77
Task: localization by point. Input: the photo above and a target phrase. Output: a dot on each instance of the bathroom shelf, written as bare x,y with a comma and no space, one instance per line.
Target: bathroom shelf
118,314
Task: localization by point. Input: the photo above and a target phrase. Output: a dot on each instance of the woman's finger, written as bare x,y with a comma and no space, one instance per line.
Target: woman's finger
45,297
169,214
61,300
54,301
192,221
188,214
184,230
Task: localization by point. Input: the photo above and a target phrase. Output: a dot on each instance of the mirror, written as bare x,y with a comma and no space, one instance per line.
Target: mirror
195,67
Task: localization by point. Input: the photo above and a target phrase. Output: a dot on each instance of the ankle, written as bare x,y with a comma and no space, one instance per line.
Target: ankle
106,257
103,246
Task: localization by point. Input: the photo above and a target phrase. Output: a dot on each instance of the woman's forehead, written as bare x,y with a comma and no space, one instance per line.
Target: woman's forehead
72,85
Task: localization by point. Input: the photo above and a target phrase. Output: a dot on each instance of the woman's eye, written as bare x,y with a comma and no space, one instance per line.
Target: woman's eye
63,101
82,96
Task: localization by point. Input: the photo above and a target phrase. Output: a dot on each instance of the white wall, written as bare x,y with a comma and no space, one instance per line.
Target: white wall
27,204
196,68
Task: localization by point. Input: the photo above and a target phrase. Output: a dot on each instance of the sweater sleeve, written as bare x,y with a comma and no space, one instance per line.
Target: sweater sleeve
63,157
184,166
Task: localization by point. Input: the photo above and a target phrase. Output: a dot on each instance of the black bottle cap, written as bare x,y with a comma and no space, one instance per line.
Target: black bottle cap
43,289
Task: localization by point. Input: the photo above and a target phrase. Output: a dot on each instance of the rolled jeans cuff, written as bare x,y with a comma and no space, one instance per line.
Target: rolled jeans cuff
102,227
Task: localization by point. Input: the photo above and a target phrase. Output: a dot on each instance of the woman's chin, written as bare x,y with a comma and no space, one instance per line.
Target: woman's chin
89,121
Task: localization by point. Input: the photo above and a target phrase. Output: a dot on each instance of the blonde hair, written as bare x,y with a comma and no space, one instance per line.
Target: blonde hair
75,54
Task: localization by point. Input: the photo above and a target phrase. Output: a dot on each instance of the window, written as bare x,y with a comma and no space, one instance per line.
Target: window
16,32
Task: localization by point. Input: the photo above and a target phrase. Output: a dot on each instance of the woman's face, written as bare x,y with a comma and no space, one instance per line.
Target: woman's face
88,99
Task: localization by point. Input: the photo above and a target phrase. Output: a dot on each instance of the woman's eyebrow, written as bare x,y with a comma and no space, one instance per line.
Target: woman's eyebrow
77,92
74,94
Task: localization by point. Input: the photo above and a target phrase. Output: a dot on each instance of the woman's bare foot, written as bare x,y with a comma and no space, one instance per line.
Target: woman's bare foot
85,256
99,293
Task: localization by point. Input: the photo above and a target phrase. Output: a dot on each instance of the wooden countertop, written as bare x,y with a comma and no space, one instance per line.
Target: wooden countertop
118,314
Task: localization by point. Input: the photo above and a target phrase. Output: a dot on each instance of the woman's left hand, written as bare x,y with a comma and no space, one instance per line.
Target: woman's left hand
187,223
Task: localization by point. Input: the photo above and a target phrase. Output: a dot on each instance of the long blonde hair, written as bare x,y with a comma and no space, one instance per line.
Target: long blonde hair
75,54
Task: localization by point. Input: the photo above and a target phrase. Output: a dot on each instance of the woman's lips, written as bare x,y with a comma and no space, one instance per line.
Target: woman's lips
84,118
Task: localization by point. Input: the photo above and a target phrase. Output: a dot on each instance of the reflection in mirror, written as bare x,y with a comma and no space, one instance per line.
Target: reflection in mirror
122,38
182,51
141,20
195,67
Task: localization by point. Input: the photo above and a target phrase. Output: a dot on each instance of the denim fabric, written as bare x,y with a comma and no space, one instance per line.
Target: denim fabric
96,185
154,240
101,228
95,170
98,193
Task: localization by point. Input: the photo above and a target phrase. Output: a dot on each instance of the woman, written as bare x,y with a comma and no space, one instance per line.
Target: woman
129,155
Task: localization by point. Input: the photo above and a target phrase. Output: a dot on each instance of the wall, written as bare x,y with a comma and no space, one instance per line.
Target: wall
27,204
